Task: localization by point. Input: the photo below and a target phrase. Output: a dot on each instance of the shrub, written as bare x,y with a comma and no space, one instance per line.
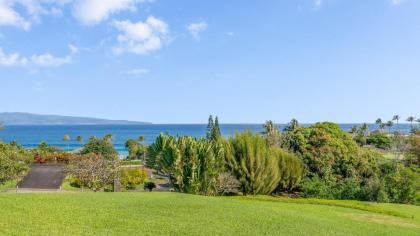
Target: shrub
291,170
132,177
316,187
149,186
379,140
227,184
14,161
253,163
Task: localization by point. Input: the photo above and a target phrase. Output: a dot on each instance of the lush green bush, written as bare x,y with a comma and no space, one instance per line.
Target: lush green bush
100,147
44,149
413,155
338,168
14,162
291,170
132,177
253,163
136,149
193,165
399,182
379,140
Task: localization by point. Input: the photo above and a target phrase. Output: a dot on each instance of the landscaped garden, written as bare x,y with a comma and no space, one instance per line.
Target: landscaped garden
316,179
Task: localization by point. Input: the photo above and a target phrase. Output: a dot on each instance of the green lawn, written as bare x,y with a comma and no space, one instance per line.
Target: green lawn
181,214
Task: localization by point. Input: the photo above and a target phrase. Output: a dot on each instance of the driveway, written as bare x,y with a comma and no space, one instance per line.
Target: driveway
43,176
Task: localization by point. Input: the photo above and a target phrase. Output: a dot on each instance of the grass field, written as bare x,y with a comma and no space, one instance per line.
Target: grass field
181,214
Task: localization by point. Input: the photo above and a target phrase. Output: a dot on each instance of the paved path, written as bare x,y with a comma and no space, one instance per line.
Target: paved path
43,176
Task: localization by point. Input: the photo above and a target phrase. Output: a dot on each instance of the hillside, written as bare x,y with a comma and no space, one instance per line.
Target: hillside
182,214
21,118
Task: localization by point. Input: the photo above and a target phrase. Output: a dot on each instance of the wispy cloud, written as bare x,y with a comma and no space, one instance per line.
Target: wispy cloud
397,2
42,60
137,72
196,29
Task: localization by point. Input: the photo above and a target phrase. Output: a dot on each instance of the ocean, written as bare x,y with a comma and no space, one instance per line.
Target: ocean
31,135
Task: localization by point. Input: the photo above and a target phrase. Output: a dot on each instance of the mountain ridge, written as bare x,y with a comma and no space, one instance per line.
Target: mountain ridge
26,118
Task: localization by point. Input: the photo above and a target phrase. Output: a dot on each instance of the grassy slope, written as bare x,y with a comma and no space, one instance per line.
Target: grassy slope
180,214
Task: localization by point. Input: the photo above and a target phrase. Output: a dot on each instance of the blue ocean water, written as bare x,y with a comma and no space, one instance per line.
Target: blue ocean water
31,135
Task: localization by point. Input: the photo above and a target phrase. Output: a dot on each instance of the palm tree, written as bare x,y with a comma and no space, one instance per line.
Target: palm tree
411,119
380,124
389,124
66,138
365,129
354,130
79,139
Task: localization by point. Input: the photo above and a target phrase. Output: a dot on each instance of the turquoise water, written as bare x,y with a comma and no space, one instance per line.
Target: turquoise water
31,135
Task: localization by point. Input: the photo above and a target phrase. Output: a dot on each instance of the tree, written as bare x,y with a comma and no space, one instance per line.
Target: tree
94,172
411,119
216,133
79,139
292,126
396,118
66,138
210,126
14,162
271,134
108,138
141,139
100,147
379,123
389,124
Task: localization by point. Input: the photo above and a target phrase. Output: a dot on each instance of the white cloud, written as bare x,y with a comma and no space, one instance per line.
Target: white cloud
12,59
10,17
318,3
196,28
91,12
47,59
32,9
140,37
43,60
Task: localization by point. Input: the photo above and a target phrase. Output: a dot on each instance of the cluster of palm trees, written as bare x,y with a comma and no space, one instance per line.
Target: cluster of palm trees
396,118
67,139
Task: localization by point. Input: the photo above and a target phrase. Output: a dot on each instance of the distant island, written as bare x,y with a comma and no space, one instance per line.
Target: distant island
23,118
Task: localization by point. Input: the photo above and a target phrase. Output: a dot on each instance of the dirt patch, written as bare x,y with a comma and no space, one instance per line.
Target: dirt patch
382,219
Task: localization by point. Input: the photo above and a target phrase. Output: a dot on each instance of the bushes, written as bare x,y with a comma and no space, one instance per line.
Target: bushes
379,140
253,163
192,164
222,166
14,161
291,170
100,147
130,178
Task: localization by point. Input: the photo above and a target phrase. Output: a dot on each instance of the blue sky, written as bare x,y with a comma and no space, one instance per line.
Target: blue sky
179,61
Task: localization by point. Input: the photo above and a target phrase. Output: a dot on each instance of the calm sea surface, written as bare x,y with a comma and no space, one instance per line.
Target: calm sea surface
30,136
